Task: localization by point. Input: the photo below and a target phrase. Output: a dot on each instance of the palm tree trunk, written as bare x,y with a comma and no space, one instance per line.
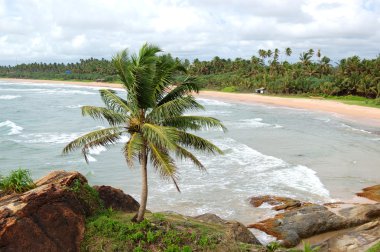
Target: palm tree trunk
144,189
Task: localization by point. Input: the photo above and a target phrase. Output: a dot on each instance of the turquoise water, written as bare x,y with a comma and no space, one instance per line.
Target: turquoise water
268,150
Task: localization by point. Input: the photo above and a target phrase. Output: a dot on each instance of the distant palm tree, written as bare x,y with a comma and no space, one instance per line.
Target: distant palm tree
151,115
288,51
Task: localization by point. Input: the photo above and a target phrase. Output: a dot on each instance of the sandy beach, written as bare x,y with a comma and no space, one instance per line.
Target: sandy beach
358,114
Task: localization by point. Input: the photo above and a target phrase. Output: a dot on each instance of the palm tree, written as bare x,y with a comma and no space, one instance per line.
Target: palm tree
288,51
151,115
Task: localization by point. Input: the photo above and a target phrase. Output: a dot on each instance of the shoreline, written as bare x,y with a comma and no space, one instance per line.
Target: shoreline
365,116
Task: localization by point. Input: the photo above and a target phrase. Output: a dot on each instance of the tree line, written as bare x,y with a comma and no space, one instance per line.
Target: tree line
313,73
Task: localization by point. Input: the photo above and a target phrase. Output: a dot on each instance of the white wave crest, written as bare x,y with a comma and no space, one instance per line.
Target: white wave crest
14,128
208,102
9,97
74,106
355,129
53,138
96,150
254,123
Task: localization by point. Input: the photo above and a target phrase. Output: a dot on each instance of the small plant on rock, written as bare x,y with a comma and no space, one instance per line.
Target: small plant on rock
272,246
18,181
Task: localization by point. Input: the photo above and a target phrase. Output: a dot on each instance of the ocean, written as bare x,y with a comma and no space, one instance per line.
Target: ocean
282,151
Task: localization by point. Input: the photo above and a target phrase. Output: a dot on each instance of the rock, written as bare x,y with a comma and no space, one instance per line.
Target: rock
210,218
238,232
117,199
235,230
292,226
359,239
279,203
50,217
372,193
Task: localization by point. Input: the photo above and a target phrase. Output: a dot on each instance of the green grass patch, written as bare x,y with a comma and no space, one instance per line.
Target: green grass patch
374,248
114,231
230,89
18,181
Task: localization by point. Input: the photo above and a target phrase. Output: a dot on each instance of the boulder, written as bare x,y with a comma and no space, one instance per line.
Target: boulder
235,231
290,227
358,239
117,199
50,217
372,193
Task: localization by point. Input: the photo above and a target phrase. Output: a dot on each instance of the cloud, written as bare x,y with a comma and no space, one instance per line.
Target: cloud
58,30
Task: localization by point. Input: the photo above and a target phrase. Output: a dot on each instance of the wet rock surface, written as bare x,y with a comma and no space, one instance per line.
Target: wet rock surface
359,239
278,203
292,226
372,193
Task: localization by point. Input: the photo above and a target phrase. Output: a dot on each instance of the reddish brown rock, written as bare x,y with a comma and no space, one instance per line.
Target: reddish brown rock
117,199
372,193
50,217
278,203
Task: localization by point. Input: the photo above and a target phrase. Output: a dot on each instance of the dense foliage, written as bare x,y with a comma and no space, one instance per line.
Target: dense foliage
313,73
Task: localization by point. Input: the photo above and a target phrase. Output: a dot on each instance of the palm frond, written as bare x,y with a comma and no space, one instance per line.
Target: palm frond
113,118
121,62
197,143
132,149
164,137
188,86
194,123
102,137
185,154
174,108
163,163
114,102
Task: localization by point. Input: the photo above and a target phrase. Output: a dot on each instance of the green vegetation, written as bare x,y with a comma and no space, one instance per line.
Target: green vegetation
229,89
272,246
18,181
374,248
114,231
88,196
313,74
151,115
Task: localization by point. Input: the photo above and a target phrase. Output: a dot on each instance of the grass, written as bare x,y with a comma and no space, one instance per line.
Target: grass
374,248
230,89
18,181
114,231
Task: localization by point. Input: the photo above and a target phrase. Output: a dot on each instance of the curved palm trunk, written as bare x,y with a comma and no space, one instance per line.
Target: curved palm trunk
144,189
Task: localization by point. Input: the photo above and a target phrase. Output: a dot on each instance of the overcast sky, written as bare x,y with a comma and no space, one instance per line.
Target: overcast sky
67,30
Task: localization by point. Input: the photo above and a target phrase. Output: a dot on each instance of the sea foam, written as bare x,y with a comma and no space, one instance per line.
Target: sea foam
9,97
14,128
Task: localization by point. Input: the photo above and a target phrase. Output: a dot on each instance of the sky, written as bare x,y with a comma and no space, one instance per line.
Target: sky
68,30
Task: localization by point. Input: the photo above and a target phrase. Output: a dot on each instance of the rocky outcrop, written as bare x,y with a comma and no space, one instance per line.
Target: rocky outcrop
278,203
51,217
235,231
48,218
372,193
358,239
290,227
117,199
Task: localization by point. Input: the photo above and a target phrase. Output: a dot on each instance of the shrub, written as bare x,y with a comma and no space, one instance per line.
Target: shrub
18,181
230,89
